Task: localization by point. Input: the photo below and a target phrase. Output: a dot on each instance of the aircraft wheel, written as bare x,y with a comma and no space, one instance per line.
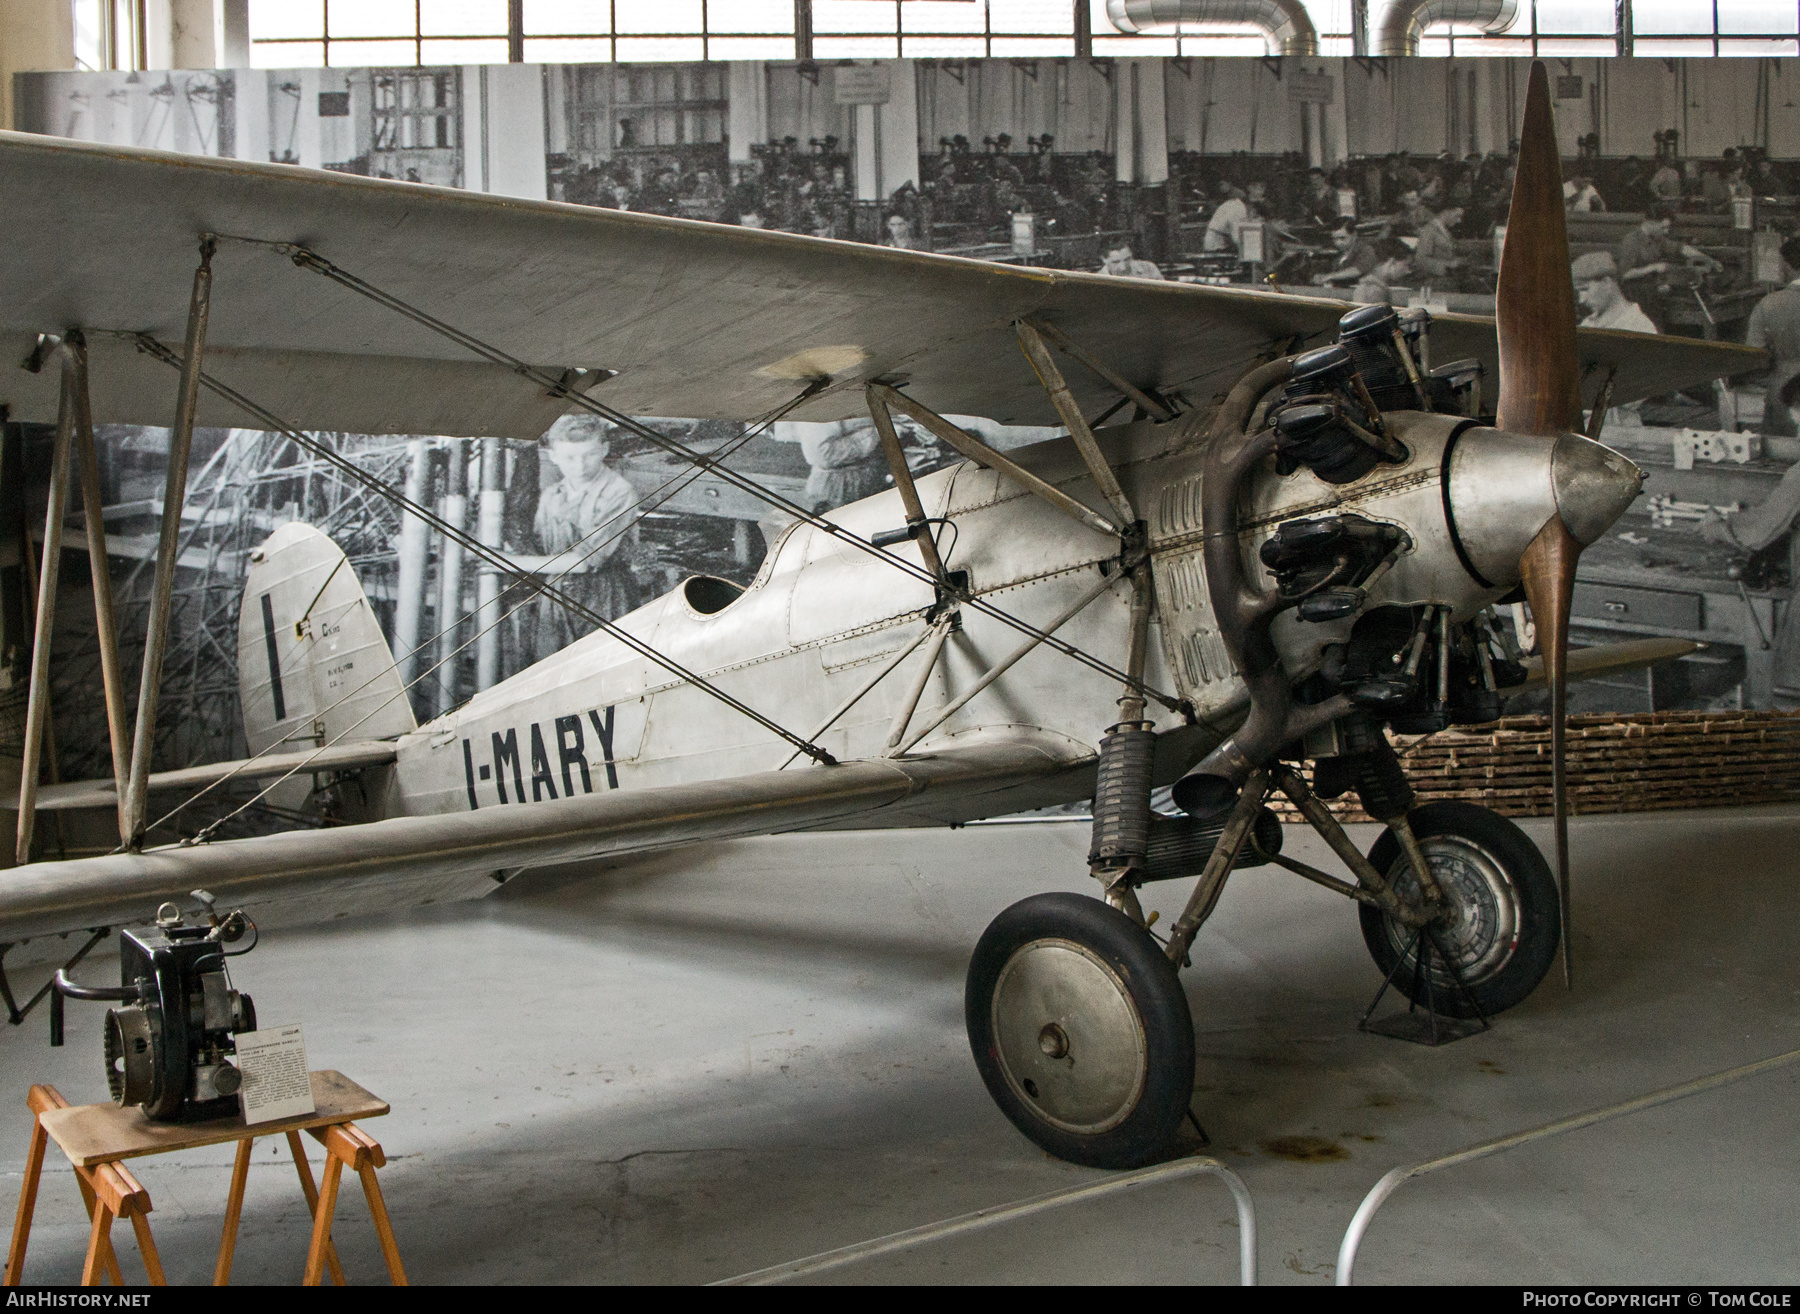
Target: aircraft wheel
1081,1031
1503,921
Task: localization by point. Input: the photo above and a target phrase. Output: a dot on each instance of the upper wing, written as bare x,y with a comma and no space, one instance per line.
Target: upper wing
443,851
698,319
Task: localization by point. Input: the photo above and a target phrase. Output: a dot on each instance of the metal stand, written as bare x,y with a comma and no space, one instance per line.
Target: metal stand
1426,1026
15,1014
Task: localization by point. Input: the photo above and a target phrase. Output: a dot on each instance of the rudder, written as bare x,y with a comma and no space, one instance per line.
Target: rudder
312,659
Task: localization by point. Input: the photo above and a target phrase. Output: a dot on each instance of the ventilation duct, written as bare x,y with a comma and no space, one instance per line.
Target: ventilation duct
1396,25
1284,23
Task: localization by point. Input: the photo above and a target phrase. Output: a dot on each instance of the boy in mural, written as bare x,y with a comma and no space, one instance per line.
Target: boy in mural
585,513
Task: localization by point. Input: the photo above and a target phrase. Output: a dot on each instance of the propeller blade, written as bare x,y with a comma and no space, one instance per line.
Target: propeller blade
1540,393
1548,573
1540,387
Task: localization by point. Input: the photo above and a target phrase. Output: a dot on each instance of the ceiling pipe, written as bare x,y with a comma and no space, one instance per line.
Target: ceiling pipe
1283,23
1395,26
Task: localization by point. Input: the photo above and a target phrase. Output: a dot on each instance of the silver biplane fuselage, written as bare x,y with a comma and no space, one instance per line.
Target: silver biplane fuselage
821,618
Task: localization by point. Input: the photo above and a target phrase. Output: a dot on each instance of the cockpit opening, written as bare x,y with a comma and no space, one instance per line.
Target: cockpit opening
708,594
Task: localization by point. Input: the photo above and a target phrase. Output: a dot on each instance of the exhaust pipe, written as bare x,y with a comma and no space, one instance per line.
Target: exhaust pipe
1283,23
1395,26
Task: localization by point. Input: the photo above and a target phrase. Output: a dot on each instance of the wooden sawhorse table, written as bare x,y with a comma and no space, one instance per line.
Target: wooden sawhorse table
96,1137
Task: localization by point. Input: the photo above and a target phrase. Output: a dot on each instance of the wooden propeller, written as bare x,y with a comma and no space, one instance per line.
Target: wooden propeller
1540,393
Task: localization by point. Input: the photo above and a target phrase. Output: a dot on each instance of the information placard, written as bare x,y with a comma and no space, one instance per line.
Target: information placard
276,1084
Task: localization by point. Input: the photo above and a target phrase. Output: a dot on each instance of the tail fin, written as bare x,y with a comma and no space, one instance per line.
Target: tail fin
312,660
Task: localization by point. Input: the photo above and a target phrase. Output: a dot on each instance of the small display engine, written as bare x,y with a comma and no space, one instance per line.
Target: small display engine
169,1046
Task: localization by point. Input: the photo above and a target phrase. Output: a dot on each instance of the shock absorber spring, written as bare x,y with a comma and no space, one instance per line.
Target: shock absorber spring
1122,797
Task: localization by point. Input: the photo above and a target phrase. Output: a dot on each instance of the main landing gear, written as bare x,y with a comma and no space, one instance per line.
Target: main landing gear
1081,1030
1080,1027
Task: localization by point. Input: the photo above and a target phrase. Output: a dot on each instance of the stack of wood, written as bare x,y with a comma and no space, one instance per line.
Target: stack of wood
1636,763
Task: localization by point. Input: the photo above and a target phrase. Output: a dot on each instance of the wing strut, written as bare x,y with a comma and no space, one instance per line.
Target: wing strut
136,799
916,521
1064,401
1151,405
37,705
979,452
112,675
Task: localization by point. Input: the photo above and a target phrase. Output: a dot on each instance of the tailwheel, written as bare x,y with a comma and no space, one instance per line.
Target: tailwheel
1081,1031
1500,925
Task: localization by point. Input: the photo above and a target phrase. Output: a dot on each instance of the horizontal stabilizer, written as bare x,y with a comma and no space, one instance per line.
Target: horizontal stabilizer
338,757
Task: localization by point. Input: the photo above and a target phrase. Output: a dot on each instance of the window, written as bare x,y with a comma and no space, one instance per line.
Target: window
389,33
344,33
302,33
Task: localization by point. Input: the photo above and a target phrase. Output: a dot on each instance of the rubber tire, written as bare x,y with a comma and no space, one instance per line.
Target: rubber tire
1155,990
1539,909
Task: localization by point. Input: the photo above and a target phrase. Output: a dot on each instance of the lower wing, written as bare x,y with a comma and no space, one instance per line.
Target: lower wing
1610,659
48,897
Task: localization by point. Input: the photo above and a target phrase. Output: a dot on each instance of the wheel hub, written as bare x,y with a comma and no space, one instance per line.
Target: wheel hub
1070,1040
1477,922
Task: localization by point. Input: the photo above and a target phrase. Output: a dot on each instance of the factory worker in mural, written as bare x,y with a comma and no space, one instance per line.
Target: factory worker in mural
1772,528
1596,278
584,514
1122,262
846,462
843,457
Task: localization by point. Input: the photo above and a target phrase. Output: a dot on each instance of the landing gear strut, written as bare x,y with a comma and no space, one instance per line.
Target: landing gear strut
1076,1016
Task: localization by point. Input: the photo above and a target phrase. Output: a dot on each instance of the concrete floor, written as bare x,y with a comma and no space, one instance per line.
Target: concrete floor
715,1060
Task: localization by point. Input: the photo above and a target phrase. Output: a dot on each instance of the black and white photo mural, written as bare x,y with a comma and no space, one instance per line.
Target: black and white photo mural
1361,180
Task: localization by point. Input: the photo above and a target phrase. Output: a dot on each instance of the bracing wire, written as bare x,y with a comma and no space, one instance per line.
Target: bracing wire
305,258
151,346
642,508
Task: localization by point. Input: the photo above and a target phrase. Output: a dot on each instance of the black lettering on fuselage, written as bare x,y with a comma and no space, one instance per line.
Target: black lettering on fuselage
507,750
572,754
571,758
603,729
469,773
541,779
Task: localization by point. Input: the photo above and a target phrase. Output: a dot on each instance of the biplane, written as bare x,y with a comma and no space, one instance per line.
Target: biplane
1291,539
